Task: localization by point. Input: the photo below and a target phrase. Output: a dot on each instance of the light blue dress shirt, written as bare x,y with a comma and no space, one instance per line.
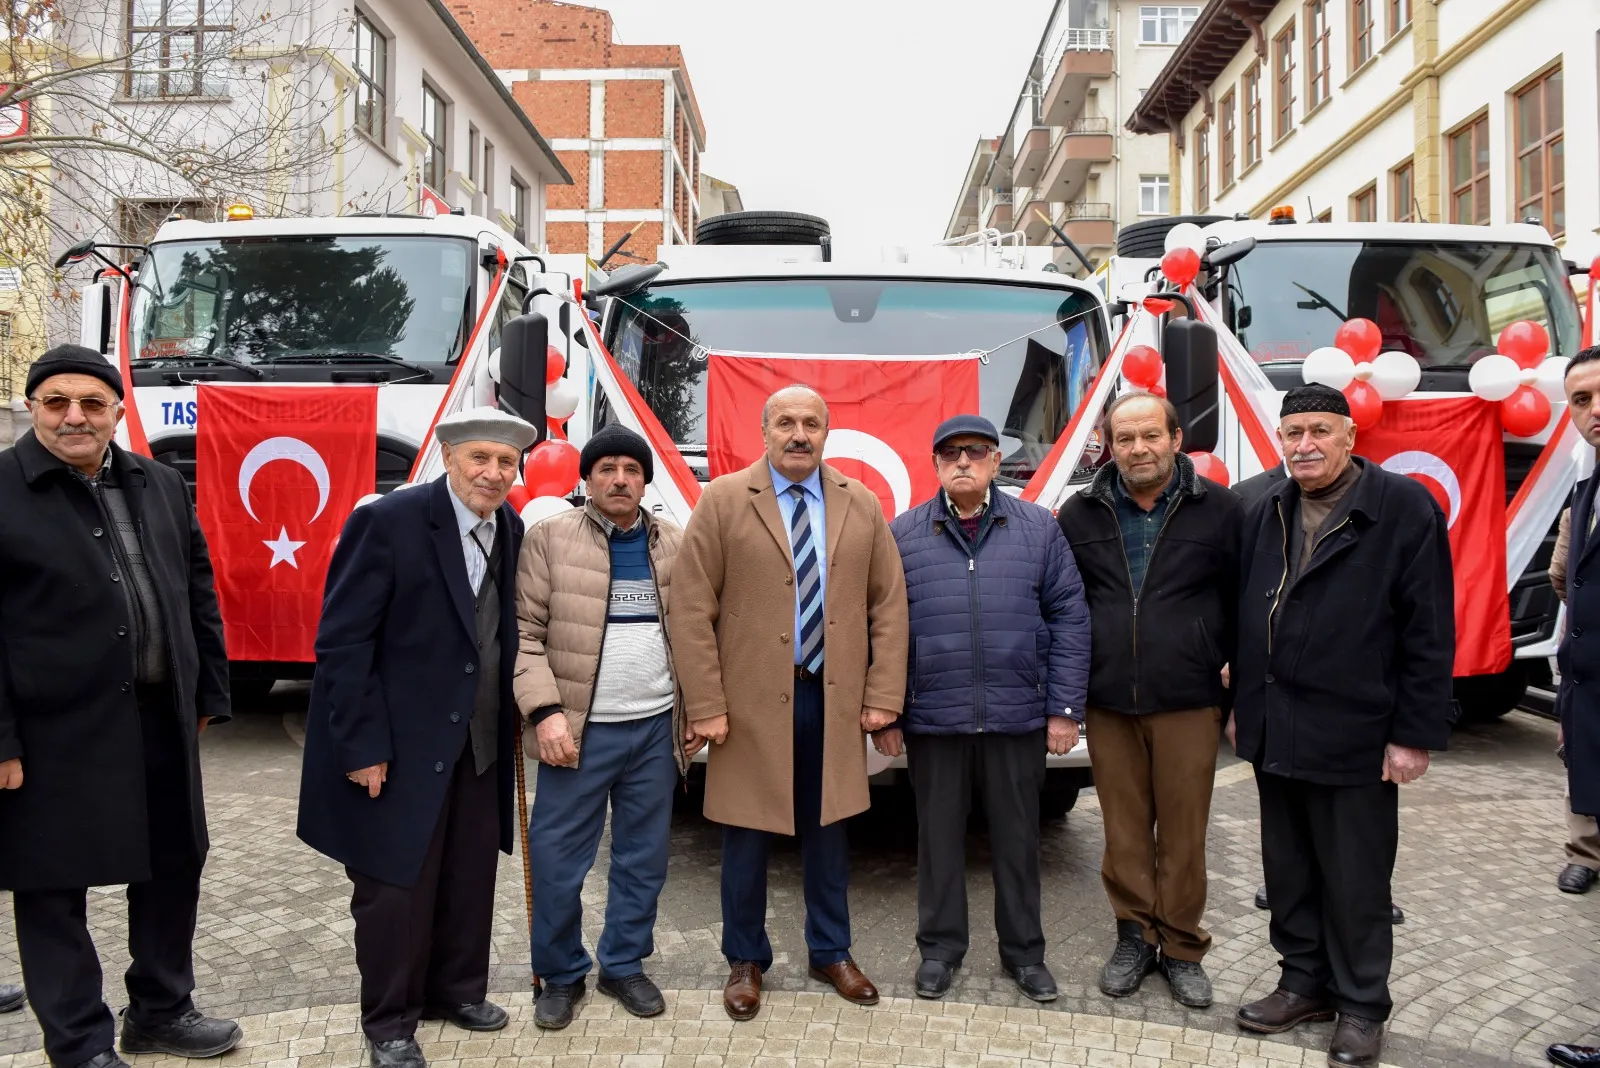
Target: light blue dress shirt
819,531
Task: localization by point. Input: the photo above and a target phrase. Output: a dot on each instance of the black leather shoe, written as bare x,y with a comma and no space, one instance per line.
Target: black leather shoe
553,1010
934,978
1356,1041
1396,917
484,1016
636,992
1282,1010
1573,1056
1130,962
1189,982
1261,897
109,1059
1035,981
190,1035
1575,879
397,1053
13,997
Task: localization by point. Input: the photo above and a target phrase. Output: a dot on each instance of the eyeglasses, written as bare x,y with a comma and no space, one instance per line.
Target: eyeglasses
56,404
951,453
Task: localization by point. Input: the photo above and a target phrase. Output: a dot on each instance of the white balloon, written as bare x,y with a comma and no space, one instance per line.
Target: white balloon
1329,366
1185,235
1494,377
561,399
1395,374
369,498
542,508
494,366
1551,378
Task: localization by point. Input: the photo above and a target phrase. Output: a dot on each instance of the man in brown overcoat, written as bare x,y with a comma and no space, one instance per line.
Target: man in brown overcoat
789,632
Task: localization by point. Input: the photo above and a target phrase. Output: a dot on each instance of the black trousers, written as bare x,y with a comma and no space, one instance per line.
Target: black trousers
428,944
1007,771
60,965
1329,855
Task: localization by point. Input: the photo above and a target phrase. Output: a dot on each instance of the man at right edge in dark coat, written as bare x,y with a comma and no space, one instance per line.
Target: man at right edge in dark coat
1342,563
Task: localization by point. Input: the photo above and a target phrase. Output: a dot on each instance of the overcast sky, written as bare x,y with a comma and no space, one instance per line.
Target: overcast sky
862,111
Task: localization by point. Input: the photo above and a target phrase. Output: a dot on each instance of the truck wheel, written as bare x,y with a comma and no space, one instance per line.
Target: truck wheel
1055,803
1488,697
1146,240
761,228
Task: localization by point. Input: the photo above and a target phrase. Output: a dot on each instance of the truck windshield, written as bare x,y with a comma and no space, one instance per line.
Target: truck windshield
1444,303
1044,344
260,299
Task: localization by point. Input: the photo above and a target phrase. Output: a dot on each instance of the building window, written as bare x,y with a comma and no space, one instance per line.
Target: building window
138,220
1319,79
1252,116
1225,138
1541,166
488,176
1363,28
1402,194
1364,205
1202,166
1283,82
1469,172
433,132
1155,194
473,173
372,80
1325,216
519,208
1165,25
178,47
1399,15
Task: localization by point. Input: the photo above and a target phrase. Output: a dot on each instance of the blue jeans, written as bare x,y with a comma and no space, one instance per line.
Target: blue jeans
824,859
632,765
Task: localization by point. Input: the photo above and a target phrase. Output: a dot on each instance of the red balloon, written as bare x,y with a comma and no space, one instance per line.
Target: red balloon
1181,265
557,432
1525,412
1361,338
518,497
1158,390
1206,465
1594,271
1142,366
551,469
555,365
1526,342
1366,407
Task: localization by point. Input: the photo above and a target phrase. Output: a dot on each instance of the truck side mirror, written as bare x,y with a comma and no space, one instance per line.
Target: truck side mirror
524,355
1189,350
94,326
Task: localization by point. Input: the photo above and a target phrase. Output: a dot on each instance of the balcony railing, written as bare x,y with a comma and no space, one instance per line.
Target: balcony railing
1084,209
1087,126
1075,40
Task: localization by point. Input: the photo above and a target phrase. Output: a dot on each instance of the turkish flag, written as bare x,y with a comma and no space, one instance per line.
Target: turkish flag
277,471
1453,446
882,413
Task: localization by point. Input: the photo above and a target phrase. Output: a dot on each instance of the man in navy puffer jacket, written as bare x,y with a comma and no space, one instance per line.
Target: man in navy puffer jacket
998,671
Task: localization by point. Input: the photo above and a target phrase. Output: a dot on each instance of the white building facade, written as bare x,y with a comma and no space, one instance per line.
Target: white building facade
1464,111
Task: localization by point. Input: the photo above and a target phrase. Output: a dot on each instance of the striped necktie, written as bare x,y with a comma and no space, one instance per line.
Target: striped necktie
808,585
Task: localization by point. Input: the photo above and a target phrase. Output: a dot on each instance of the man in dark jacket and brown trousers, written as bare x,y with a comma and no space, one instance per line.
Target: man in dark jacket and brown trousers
1342,686
111,664
1158,549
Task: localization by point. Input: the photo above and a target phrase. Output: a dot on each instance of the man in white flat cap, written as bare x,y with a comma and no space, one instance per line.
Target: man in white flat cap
409,759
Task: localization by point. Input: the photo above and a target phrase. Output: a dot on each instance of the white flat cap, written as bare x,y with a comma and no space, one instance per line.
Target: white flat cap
486,424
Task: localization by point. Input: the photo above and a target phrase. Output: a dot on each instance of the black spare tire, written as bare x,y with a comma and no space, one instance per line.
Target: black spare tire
1146,240
761,228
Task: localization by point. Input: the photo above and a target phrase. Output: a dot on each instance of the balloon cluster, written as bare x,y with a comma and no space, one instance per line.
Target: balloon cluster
1354,366
1180,263
1520,378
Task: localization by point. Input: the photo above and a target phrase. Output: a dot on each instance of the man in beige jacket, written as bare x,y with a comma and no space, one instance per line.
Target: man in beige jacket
790,629
594,675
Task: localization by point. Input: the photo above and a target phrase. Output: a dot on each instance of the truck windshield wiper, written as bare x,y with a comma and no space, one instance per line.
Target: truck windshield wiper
347,356
207,360
1317,301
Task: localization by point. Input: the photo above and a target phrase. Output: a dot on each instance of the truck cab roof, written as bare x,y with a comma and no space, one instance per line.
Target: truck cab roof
467,226
1439,233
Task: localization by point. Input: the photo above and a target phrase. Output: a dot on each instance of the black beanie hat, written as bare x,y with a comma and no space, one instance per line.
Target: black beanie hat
73,360
1314,398
614,439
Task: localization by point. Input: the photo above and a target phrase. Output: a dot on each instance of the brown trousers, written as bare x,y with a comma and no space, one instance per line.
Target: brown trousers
1583,840
1153,774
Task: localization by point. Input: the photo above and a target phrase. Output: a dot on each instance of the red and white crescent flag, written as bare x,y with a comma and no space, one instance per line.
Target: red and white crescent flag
882,412
1453,446
277,470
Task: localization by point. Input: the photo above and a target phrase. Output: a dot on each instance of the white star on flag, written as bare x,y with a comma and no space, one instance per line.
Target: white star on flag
283,549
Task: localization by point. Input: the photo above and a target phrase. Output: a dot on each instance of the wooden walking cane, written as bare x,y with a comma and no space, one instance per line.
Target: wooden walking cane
522,830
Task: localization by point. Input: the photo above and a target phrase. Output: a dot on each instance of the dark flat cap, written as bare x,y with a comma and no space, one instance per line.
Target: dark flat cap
1314,398
614,439
73,360
957,425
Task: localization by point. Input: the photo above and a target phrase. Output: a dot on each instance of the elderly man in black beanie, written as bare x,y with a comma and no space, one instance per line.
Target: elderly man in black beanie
595,677
1342,686
111,665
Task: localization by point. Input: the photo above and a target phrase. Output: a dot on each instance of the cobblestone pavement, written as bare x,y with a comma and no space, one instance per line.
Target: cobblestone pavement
1491,965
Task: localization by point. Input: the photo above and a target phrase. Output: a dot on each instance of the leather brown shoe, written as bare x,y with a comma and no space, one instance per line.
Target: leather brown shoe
741,995
847,979
1356,1041
1282,1010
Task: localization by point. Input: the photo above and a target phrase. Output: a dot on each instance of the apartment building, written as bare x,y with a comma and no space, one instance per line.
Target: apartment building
622,118
1471,111
1064,157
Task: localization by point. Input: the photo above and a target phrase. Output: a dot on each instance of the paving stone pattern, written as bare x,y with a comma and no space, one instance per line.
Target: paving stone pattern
1492,964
